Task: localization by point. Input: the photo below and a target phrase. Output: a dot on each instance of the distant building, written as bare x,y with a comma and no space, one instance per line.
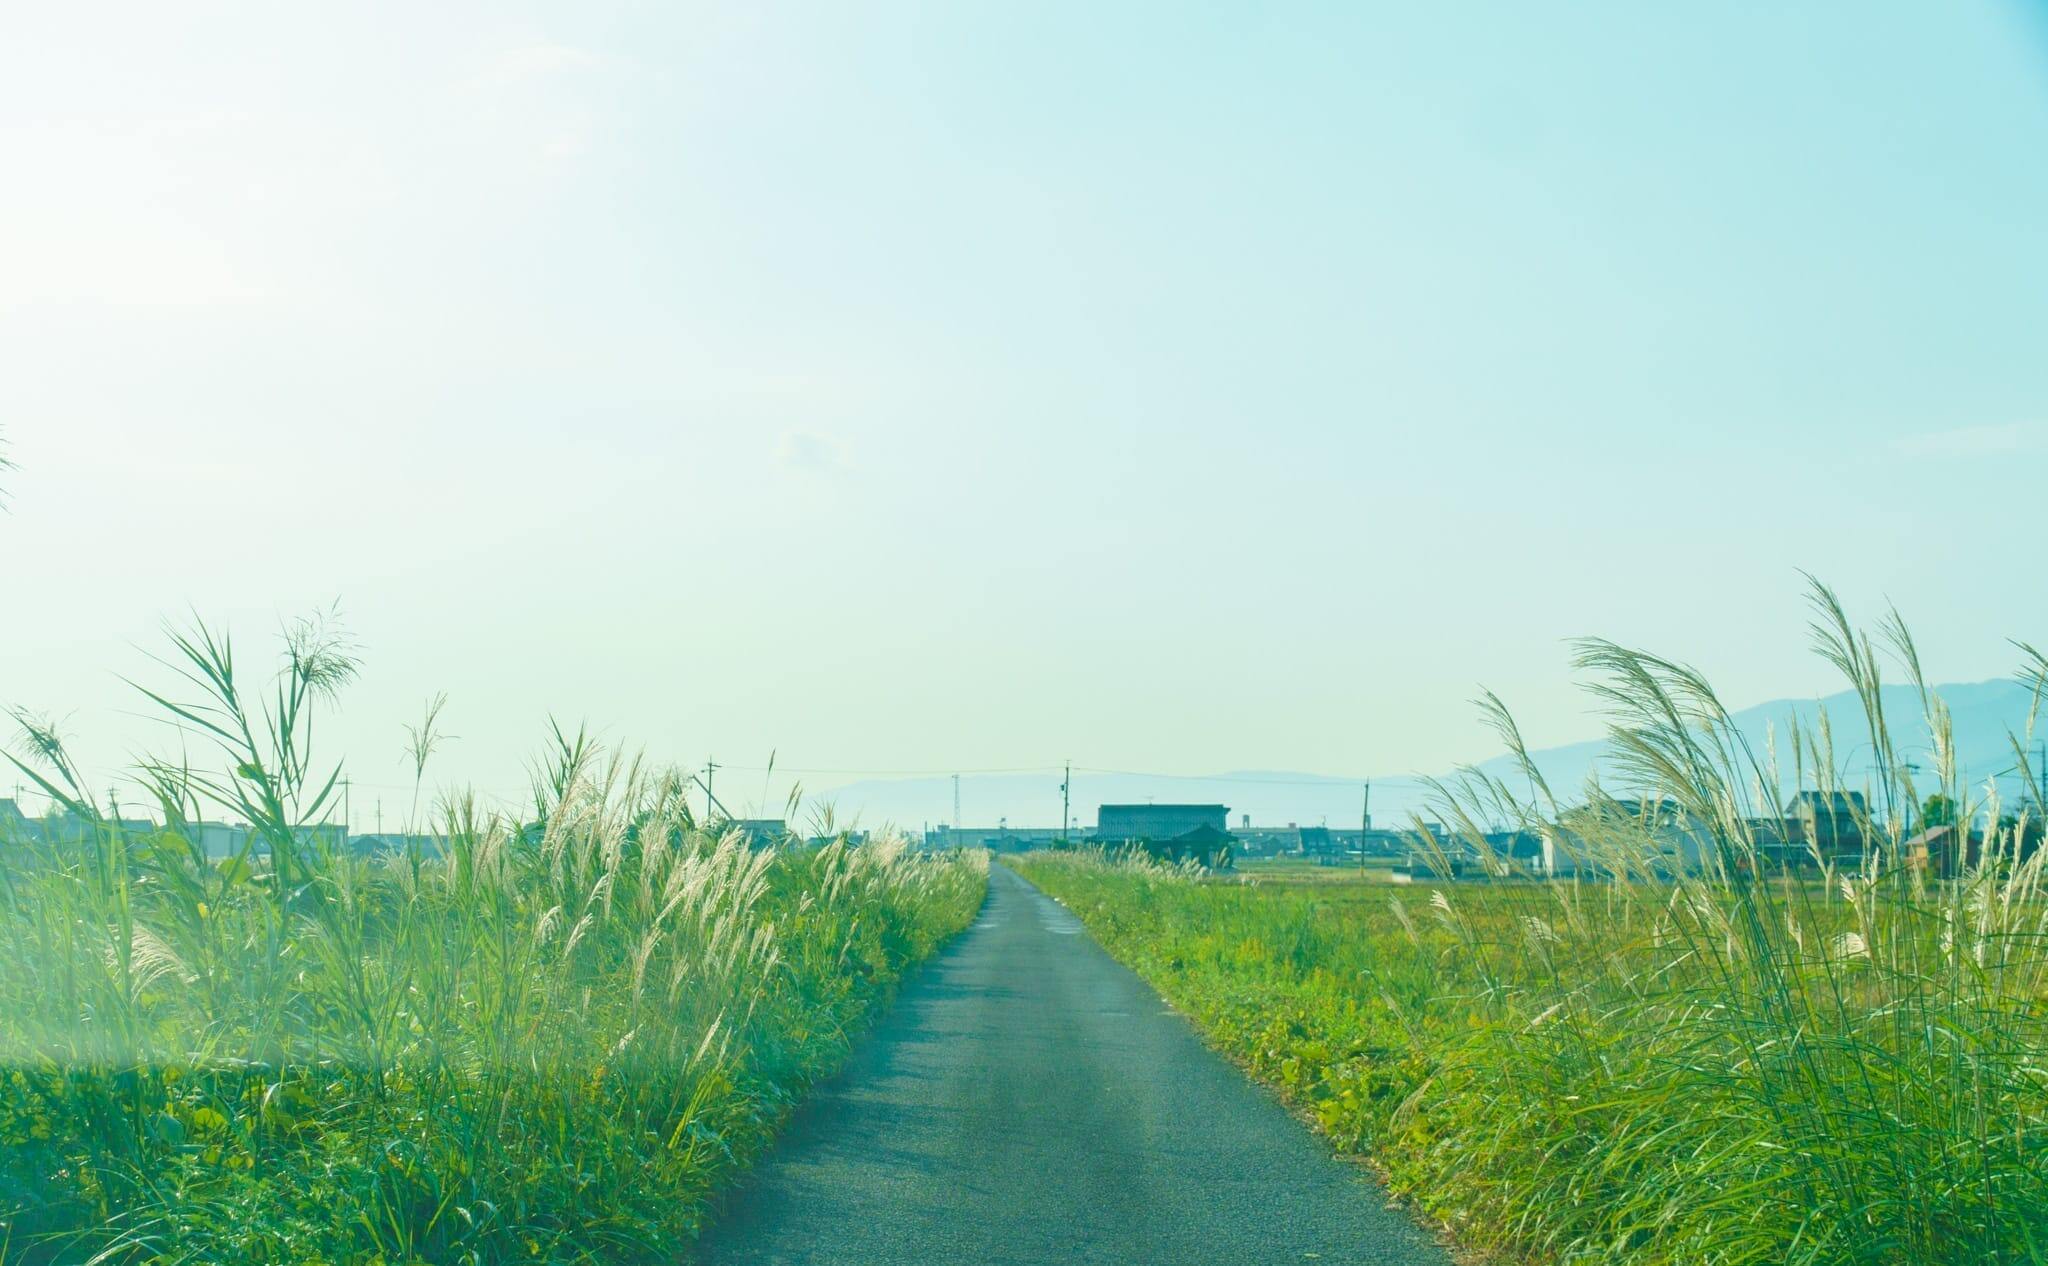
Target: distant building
1435,853
1676,842
1562,854
1776,841
382,843
762,832
1211,846
1944,852
1421,867
67,829
1328,844
233,839
1382,843
1171,832
1645,837
1521,850
333,835
223,839
1268,841
217,841
1001,838
1830,823
1131,823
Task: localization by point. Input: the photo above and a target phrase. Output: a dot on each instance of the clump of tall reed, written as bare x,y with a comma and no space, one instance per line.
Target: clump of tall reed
547,1038
1721,1039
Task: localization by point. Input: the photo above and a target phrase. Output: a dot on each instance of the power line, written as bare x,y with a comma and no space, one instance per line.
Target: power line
1332,780
1248,780
895,773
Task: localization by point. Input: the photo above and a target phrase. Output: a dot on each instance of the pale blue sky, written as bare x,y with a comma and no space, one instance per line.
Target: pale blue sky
915,386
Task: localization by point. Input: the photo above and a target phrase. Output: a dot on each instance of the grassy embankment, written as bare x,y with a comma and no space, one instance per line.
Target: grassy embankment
550,1041
1847,1068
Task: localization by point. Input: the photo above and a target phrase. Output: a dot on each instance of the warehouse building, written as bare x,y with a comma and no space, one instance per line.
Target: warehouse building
1131,823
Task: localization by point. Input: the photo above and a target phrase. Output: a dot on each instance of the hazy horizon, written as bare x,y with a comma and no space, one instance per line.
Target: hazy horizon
924,389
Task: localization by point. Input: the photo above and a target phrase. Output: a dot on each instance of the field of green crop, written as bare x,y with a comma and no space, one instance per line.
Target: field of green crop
552,1039
1297,871
1843,1064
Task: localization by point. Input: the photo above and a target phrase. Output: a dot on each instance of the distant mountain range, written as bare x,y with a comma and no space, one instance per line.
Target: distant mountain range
1985,713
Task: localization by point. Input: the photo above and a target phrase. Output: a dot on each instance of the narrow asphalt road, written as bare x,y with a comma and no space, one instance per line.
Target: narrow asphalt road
1030,1101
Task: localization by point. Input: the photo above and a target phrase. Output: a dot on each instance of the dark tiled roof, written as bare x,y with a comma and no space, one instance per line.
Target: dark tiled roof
1827,802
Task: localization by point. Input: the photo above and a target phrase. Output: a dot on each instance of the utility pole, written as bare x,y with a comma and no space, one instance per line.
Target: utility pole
1365,825
380,815
711,802
956,802
710,767
1066,798
345,815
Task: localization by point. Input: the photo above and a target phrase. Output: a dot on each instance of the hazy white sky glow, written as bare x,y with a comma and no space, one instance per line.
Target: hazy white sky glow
911,387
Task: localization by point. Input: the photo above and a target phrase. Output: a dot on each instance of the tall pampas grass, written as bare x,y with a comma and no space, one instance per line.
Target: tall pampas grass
1710,1044
550,1038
